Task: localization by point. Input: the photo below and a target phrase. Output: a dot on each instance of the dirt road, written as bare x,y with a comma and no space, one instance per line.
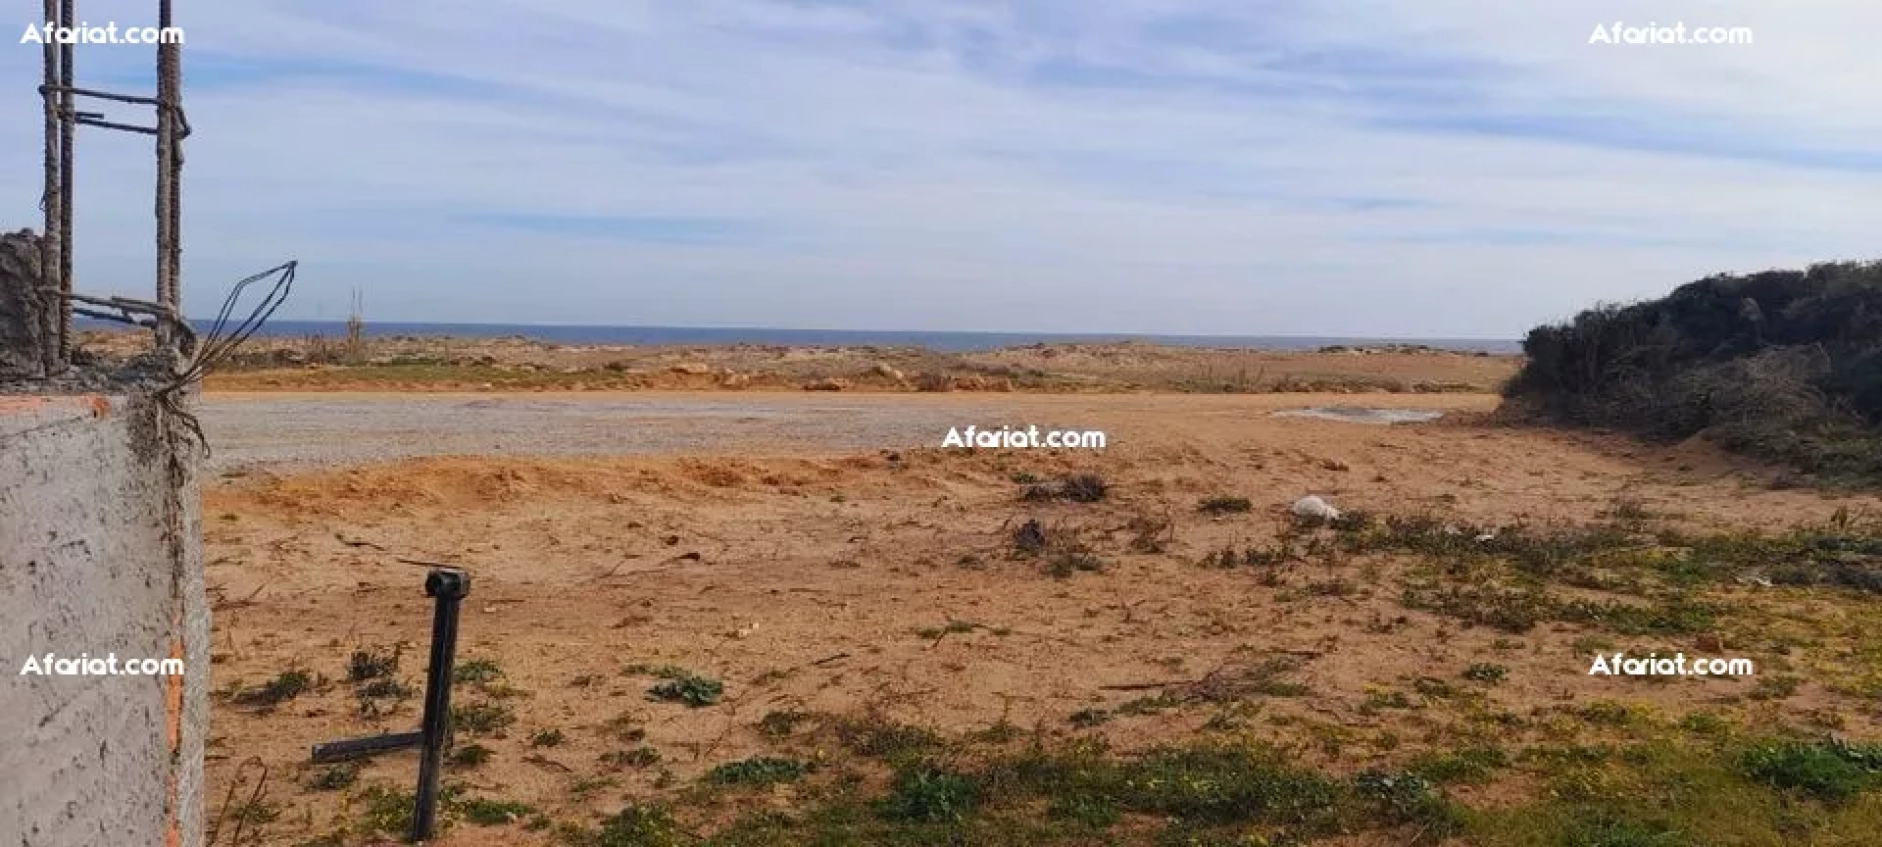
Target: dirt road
324,429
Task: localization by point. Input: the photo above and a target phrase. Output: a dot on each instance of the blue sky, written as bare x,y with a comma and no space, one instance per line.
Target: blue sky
1336,167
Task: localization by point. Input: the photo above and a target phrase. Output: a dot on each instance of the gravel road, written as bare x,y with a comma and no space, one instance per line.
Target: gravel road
330,429
315,429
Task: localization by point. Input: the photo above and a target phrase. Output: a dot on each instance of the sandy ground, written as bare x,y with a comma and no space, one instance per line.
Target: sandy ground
810,551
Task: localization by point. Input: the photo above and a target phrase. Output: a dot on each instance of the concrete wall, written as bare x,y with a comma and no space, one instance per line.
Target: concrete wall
100,552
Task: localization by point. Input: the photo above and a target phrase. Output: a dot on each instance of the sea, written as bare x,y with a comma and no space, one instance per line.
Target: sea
944,341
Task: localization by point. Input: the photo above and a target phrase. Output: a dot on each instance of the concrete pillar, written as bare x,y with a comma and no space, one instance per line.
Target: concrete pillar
100,553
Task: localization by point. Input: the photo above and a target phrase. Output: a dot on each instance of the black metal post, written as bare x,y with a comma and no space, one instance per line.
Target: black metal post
449,586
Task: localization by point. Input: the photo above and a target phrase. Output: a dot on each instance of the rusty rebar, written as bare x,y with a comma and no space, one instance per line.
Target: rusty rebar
168,170
51,202
68,127
62,118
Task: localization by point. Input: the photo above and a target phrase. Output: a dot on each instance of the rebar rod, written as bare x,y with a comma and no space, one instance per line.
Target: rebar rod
169,162
68,126
51,201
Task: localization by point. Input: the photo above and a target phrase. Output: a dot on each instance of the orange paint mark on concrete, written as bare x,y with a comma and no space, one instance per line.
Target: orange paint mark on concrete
173,726
173,700
16,405
97,404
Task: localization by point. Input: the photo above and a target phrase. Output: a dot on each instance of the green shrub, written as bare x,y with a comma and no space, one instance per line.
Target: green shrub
372,663
495,812
1782,365
930,795
758,770
1827,772
686,687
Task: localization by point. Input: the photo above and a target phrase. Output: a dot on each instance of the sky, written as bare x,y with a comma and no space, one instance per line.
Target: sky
1438,168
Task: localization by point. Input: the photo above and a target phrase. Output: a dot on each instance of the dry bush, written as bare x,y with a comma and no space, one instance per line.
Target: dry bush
1782,365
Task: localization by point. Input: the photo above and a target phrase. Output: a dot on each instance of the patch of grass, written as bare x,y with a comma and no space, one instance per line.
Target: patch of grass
1607,713
1400,799
758,770
1604,830
470,755
637,757
1387,699
546,738
1512,611
334,777
477,671
482,718
634,826
686,687
1073,558
1486,673
285,686
387,811
1150,534
780,724
1472,765
1281,552
1351,521
930,795
1084,488
483,812
373,663
387,688
588,786
1705,723
888,741
1777,687
254,812
1677,616
1831,773
1078,488
1224,505
950,628
1518,610
1082,794
1227,785
622,727
1029,539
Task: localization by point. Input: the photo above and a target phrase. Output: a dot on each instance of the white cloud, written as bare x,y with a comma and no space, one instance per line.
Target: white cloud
1443,168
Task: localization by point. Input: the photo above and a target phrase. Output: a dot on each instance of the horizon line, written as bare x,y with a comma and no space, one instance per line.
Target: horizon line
753,328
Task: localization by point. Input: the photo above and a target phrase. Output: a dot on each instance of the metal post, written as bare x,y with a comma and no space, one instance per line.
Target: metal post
449,586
